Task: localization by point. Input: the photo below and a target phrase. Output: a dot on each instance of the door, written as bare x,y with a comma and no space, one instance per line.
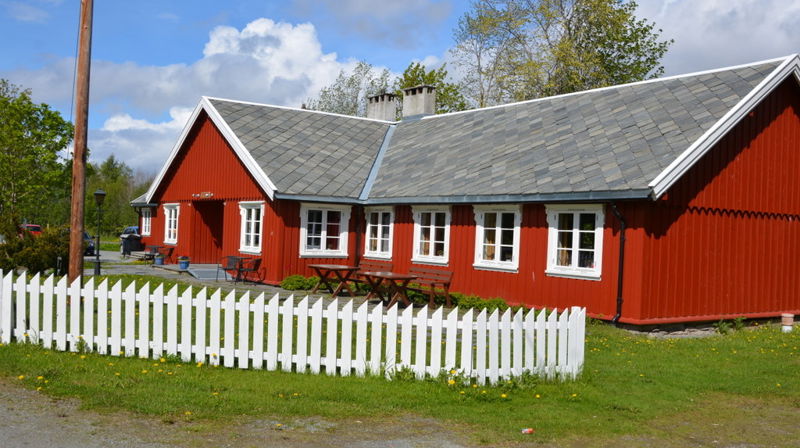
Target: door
207,231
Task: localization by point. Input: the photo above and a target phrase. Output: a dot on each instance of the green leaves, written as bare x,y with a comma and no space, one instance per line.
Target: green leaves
448,95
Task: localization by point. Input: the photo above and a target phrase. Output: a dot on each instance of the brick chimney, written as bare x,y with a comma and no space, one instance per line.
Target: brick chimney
382,107
419,100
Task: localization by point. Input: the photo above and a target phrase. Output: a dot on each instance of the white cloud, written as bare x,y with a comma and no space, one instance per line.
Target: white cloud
717,33
25,12
269,62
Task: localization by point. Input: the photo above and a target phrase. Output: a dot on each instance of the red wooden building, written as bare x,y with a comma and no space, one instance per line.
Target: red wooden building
669,200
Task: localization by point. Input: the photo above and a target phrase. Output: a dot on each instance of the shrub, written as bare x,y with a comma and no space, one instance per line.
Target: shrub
21,250
298,282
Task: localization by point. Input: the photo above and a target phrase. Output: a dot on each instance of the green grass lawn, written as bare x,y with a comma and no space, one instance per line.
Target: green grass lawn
628,381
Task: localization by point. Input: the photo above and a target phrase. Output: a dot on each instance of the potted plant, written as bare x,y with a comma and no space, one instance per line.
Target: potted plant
159,260
183,262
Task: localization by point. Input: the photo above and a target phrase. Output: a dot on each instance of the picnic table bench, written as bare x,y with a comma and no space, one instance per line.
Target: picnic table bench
427,280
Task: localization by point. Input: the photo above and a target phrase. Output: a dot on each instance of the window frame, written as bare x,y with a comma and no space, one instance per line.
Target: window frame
382,255
167,211
416,256
147,221
244,207
573,271
480,212
345,211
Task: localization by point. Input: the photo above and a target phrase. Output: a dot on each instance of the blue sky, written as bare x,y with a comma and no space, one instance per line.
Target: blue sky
152,60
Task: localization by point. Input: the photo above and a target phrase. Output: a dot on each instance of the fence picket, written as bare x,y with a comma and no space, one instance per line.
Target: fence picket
20,324
541,341
116,319
144,321
563,320
88,313
200,346
5,309
494,336
35,309
420,358
258,332
61,315
244,331
450,340
552,341
376,321
390,362
346,356
302,336
129,297
529,325
505,345
172,321
466,343
361,339
517,331
480,342
435,365
331,316
287,334
272,333
406,321
158,322
229,305
185,346
213,327
47,312
316,342
74,314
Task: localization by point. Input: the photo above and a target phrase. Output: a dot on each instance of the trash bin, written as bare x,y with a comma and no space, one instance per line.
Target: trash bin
130,242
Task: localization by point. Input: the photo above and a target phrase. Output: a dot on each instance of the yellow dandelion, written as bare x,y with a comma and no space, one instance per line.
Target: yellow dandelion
483,391
160,370
46,381
83,356
200,364
162,360
169,373
574,395
451,382
187,413
39,388
214,393
461,392
25,334
21,377
280,395
39,377
503,396
116,373
278,425
144,371
538,396
452,372
110,364
778,385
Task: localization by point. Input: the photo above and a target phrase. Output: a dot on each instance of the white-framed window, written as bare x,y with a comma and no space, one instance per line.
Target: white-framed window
323,230
252,214
171,212
497,229
147,215
378,241
575,240
431,234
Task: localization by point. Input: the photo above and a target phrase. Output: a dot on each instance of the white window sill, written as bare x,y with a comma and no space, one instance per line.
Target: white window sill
249,251
573,275
493,267
323,255
378,256
435,262
171,243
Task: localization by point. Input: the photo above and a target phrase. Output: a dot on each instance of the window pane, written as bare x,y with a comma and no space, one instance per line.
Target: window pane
424,247
587,240
385,232
373,218
313,242
587,221
564,257
315,216
425,219
508,221
373,245
488,252
490,220
256,240
506,253
586,259
565,239
373,231
332,243
440,234
386,218
384,245
439,249
314,229
507,237
565,221
332,229
440,219
489,236
334,217
425,234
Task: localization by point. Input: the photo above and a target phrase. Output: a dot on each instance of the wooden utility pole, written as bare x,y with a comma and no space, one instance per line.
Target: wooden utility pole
79,151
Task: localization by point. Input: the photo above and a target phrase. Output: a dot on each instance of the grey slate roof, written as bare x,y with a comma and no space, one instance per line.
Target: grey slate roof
608,140
602,142
306,153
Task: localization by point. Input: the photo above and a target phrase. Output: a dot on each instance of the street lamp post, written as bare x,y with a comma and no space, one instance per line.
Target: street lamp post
99,197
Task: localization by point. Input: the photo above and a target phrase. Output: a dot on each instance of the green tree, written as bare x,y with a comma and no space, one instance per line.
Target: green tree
31,137
117,179
448,95
515,50
348,94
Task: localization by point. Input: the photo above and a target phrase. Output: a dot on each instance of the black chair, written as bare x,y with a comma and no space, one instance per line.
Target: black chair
250,265
229,263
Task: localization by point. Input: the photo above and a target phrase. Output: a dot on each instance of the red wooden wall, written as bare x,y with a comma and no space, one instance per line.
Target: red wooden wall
725,241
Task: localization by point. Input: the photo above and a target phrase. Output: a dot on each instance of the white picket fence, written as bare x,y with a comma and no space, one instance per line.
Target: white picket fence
275,333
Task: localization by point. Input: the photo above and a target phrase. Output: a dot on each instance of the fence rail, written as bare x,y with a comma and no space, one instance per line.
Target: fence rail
304,335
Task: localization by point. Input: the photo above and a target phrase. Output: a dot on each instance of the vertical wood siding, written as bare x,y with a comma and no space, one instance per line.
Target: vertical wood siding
725,240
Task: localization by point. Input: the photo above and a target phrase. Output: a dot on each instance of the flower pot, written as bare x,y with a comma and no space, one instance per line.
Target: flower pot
159,261
183,264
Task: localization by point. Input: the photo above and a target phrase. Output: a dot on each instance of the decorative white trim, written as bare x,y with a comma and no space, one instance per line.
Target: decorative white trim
297,109
479,212
244,206
343,230
378,254
416,257
552,240
147,221
687,159
167,211
244,155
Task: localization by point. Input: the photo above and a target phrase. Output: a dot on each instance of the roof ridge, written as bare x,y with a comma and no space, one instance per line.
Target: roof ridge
617,86
297,109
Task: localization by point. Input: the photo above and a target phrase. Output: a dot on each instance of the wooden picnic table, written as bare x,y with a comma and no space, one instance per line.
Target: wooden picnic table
151,252
340,271
396,285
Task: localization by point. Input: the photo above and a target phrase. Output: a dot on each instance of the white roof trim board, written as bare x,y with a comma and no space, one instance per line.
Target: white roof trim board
702,145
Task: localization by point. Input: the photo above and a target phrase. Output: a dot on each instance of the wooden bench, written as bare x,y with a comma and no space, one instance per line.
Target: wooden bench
370,266
427,281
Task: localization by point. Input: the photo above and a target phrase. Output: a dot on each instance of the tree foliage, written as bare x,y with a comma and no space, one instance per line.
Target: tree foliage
448,95
348,94
31,137
514,50
118,181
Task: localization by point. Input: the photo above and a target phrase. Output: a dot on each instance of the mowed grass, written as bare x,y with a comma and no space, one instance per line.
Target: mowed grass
628,381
